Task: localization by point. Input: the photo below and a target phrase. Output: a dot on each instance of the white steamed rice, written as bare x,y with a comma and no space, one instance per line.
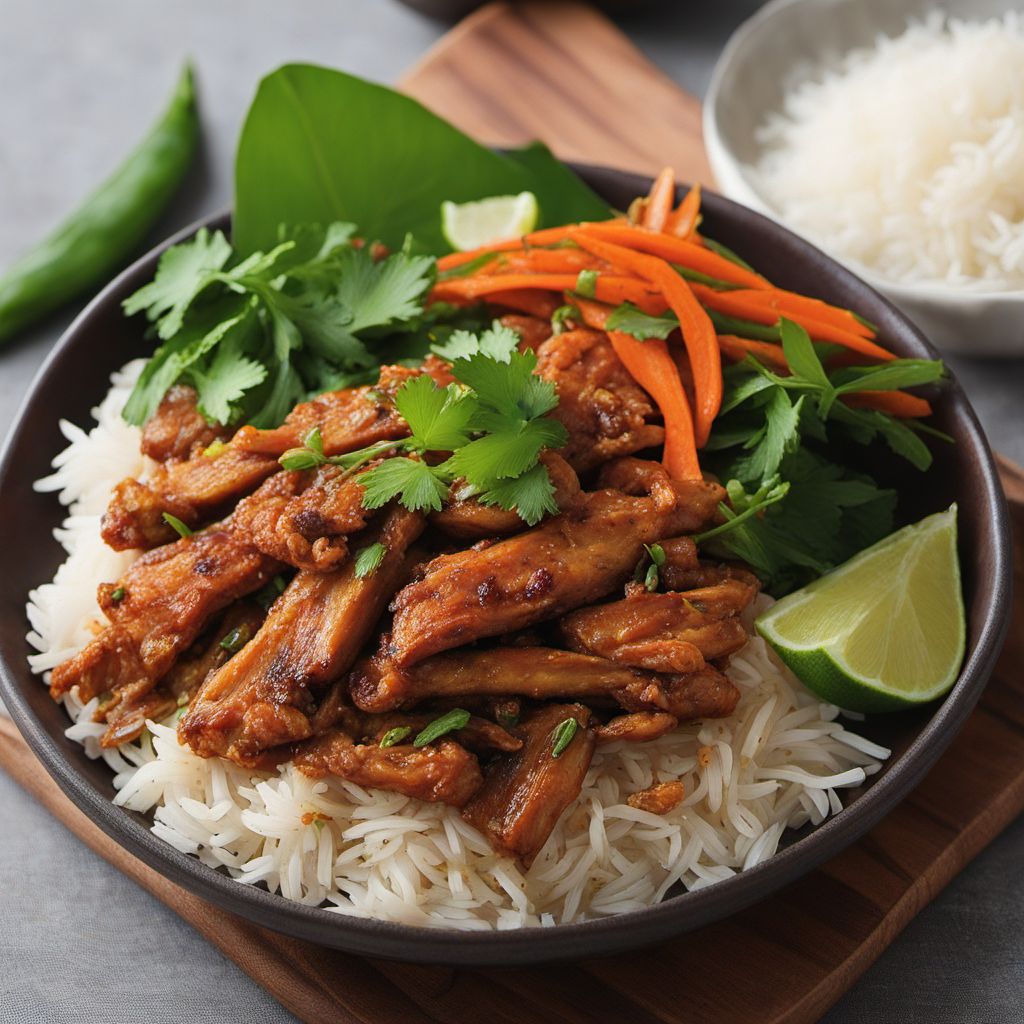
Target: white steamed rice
776,763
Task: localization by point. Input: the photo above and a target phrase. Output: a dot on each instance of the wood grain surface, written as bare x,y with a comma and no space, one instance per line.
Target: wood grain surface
504,76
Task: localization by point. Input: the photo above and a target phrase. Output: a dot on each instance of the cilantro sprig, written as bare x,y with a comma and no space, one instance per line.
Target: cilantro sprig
256,335
492,424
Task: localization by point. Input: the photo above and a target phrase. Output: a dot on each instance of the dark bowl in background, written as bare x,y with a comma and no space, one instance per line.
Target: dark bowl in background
75,378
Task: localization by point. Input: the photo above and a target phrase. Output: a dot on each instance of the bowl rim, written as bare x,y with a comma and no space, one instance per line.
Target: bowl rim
728,170
601,936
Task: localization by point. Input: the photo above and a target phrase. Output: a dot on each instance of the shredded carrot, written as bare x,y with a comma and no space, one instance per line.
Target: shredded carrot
525,300
740,304
895,403
682,222
675,250
607,288
651,366
697,329
792,305
546,236
659,201
543,261
764,351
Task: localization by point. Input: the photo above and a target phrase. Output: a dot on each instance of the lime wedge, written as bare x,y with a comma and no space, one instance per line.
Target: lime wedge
885,630
469,225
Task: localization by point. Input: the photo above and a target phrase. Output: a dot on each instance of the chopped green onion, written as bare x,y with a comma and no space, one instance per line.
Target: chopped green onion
651,579
586,283
562,736
455,719
368,560
562,314
314,442
177,525
657,553
236,639
396,735
117,594
300,458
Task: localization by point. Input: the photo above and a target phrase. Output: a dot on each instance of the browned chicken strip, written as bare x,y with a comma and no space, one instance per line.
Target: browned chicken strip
178,430
206,485
348,419
568,561
639,727
303,518
525,793
541,673
671,632
265,695
126,713
443,772
194,491
159,607
532,329
606,413
469,519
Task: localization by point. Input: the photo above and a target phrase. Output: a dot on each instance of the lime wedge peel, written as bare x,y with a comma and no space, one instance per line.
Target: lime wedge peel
883,631
470,225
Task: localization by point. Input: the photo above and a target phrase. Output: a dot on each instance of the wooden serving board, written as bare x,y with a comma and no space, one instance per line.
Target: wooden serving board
507,75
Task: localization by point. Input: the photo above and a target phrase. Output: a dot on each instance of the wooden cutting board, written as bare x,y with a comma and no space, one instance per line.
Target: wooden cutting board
563,73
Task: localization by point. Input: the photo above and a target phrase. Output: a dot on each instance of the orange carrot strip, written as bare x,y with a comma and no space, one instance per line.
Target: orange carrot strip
683,220
546,236
698,331
675,250
543,261
608,288
791,304
895,403
651,366
525,300
653,369
740,304
764,351
659,200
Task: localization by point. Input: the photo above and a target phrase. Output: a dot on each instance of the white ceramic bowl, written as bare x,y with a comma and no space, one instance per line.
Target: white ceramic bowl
748,84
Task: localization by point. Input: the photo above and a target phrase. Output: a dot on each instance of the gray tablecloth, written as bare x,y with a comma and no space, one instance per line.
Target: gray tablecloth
78,84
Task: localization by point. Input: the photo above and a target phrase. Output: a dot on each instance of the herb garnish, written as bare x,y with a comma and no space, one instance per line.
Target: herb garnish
493,422
117,594
180,528
236,639
649,575
562,736
256,335
395,735
368,560
455,719
560,315
586,283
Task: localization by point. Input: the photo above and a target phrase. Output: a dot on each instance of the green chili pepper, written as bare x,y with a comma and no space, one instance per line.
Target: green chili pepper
97,239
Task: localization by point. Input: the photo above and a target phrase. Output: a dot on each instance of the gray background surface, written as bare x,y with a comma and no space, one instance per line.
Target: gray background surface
79,83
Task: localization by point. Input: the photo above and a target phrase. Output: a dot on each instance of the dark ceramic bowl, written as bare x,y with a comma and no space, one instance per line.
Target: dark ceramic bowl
75,378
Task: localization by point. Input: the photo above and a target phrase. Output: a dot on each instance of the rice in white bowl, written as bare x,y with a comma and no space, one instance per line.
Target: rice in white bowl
775,763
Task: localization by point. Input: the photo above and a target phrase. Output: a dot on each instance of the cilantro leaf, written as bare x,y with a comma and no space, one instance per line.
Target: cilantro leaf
438,417
416,485
498,342
384,292
506,453
509,389
640,325
230,376
779,436
183,272
532,495
368,560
